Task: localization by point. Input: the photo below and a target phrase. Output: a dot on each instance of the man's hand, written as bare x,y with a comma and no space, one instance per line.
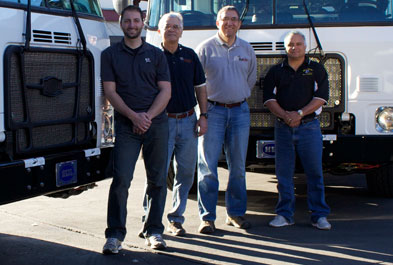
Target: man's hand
142,122
201,126
293,119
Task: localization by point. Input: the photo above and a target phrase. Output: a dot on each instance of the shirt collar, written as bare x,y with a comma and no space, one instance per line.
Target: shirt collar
222,43
122,46
179,48
304,64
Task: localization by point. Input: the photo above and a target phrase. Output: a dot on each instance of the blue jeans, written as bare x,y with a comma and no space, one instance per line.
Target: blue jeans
154,144
306,142
228,127
183,142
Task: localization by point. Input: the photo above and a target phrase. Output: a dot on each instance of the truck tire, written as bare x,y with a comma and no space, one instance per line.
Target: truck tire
171,177
380,181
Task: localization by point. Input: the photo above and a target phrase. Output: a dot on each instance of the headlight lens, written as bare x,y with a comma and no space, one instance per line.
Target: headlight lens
384,119
108,131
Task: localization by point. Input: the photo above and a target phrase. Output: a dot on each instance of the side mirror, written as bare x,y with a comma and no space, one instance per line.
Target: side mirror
119,5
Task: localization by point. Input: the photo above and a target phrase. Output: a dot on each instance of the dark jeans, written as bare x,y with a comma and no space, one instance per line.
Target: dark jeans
306,142
154,144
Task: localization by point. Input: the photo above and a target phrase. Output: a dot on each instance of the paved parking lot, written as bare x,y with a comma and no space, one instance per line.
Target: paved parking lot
45,230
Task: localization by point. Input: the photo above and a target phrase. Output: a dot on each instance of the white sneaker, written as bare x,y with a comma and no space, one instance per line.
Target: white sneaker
322,224
112,246
280,221
155,241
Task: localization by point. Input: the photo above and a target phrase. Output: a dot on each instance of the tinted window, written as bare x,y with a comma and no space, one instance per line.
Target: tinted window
83,6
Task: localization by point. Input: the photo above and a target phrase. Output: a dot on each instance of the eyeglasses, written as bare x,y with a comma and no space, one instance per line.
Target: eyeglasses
226,19
174,27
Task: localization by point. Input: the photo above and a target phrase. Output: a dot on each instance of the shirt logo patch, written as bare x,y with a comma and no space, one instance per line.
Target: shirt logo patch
185,60
147,60
240,59
307,71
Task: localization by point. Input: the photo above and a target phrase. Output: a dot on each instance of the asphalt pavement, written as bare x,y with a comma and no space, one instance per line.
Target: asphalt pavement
57,231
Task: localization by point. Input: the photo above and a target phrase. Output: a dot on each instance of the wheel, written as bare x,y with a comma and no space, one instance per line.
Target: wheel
171,179
380,181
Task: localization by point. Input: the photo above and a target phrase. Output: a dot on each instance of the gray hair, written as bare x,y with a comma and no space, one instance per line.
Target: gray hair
290,34
165,17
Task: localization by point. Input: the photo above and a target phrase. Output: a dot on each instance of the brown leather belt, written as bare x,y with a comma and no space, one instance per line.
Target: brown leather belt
181,115
226,105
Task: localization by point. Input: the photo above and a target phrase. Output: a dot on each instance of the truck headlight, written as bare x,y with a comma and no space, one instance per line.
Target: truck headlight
108,131
384,119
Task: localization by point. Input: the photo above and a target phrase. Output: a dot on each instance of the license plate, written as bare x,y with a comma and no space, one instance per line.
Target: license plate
66,173
265,149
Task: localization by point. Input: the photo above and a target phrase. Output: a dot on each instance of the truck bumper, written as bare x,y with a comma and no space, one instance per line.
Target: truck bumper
376,149
22,179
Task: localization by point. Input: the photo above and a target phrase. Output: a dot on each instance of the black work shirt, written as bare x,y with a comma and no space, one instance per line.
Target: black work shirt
295,89
186,73
135,73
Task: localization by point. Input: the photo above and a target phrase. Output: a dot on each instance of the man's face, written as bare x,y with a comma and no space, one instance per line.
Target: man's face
172,30
131,24
228,23
296,47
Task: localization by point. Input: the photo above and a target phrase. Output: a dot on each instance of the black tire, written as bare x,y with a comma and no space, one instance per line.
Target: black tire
171,177
380,181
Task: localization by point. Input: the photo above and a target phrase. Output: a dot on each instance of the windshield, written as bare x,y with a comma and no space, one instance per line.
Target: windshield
199,13
90,7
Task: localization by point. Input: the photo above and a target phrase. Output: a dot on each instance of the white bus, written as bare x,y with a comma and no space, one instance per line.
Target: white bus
55,128
354,41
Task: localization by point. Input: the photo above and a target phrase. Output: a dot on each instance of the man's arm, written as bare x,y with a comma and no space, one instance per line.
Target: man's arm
202,102
311,107
161,100
140,121
252,74
279,112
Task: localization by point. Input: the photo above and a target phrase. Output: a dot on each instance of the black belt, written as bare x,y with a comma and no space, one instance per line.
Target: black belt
181,115
226,105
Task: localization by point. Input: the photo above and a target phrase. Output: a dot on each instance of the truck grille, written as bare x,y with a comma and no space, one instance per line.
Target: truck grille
49,99
261,116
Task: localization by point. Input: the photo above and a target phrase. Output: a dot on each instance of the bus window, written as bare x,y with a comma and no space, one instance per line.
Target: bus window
82,6
199,13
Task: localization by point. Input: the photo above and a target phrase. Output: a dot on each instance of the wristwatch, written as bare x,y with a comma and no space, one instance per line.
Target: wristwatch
300,112
204,115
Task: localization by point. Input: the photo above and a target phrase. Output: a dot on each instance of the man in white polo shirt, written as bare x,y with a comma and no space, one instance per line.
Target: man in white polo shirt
230,68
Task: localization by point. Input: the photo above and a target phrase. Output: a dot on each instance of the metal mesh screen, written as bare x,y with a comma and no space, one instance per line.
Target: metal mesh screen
40,121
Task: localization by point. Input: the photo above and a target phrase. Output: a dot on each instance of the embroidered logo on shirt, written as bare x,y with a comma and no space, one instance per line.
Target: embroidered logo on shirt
147,60
185,60
240,59
307,71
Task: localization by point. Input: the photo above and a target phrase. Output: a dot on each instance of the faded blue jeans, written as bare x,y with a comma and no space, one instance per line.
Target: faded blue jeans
228,127
183,142
154,144
306,142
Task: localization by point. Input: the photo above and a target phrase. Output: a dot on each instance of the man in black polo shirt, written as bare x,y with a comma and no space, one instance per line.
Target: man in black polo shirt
187,79
295,91
136,81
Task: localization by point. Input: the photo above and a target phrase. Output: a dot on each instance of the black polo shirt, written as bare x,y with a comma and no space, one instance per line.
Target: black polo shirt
186,73
135,73
295,89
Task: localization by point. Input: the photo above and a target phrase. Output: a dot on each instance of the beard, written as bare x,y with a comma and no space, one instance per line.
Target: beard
133,35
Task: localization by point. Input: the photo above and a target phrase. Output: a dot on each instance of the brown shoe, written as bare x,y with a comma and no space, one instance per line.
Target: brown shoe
238,222
207,227
176,229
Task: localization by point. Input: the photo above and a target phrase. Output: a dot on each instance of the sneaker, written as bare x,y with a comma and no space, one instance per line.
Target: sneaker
155,241
238,222
176,229
207,227
322,224
112,246
280,221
